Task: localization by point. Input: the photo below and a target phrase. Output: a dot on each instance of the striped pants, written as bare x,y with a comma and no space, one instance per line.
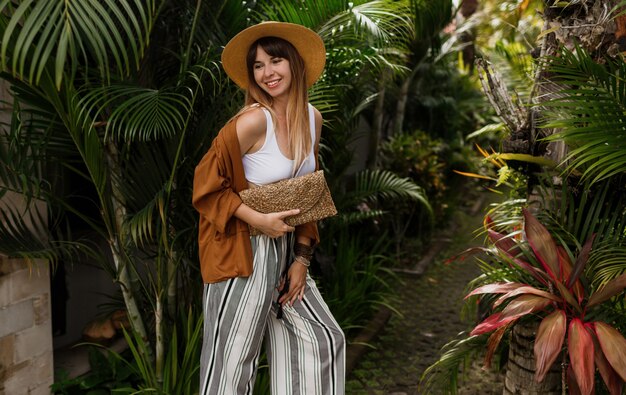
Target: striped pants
305,348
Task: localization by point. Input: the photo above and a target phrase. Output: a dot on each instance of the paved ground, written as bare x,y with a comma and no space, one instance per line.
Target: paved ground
430,305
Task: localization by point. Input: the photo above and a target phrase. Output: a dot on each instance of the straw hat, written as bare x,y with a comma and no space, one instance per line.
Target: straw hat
308,44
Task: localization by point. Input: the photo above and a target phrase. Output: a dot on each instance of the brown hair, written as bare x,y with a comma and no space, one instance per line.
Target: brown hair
298,129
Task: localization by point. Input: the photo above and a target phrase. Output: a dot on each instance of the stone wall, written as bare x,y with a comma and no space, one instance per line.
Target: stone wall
25,328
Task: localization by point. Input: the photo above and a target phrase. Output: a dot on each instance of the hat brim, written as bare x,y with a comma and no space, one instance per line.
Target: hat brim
308,44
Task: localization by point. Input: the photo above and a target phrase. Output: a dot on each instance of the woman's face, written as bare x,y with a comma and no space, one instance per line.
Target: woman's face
271,73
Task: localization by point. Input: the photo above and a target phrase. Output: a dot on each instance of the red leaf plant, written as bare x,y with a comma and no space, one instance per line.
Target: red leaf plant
562,302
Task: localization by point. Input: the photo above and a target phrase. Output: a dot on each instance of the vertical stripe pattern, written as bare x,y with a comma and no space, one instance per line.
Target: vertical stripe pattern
306,348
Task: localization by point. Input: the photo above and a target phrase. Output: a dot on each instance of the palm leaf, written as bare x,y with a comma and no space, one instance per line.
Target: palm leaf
25,233
430,17
59,34
378,25
590,113
442,376
146,191
381,184
135,113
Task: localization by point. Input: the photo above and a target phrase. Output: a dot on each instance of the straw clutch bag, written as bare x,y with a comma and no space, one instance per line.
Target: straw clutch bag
309,193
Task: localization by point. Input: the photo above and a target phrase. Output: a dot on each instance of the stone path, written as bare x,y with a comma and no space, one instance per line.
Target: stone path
430,305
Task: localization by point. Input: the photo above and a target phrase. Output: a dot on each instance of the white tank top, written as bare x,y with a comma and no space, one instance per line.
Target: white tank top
268,164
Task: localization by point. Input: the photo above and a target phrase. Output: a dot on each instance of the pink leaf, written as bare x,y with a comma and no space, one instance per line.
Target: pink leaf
581,353
528,290
569,298
538,274
613,382
614,347
491,323
566,270
542,244
492,344
504,243
495,288
572,385
581,261
611,289
525,304
548,342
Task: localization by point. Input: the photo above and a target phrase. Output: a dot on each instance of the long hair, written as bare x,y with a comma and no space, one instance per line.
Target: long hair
298,127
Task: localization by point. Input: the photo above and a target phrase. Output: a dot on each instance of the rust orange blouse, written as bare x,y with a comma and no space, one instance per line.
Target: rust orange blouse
225,250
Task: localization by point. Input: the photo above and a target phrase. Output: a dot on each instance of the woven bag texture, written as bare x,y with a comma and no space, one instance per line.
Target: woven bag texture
309,193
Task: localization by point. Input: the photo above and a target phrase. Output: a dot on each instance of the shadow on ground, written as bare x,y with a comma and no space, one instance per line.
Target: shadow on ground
430,305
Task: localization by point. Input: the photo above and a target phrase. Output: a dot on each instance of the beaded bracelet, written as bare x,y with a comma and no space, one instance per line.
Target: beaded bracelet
302,260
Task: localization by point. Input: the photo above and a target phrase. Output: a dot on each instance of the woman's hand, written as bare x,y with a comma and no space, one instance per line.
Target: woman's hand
297,284
273,224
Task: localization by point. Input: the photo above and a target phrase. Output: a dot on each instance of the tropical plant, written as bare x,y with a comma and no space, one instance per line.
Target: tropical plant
108,373
114,95
547,279
572,210
588,113
130,131
352,262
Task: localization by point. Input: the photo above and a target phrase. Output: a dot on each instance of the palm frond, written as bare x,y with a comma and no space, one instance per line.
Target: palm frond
430,17
353,217
590,113
442,376
369,26
20,159
606,262
381,184
514,61
25,233
60,34
144,183
135,113
383,23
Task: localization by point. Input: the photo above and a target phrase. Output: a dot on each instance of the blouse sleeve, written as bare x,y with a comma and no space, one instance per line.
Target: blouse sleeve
213,193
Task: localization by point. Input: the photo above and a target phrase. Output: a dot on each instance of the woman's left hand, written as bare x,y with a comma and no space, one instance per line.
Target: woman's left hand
297,284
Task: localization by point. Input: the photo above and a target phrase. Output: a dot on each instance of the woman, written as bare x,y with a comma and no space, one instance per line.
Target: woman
257,287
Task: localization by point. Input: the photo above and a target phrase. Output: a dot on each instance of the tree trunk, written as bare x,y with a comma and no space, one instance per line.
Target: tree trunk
401,105
117,250
587,24
468,8
520,368
376,131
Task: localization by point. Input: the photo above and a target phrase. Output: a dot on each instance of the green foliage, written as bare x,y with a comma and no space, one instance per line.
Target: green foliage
108,374
421,158
133,371
181,372
589,113
442,377
572,214
445,103
125,97
355,276
55,37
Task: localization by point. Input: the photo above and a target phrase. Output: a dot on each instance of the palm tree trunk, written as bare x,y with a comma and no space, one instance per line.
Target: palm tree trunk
376,132
468,8
172,294
403,97
117,250
520,368
160,343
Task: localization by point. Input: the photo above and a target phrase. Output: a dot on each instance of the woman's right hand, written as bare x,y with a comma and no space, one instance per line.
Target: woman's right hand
273,224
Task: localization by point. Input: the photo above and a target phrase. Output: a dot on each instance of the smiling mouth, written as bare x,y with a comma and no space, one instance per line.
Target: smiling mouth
272,84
